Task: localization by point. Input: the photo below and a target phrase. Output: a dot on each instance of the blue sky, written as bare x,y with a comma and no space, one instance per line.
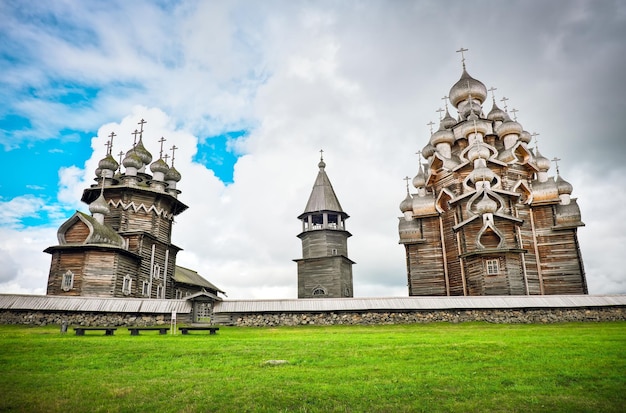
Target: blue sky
251,91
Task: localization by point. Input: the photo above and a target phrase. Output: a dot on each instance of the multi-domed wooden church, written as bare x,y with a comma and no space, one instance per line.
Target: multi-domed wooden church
485,217
124,248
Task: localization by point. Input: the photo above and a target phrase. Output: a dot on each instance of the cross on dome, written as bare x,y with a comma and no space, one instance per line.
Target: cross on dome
112,135
406,178
135,133
462,51
556,163
108,145
514,112
431,123
321,154
161,152
440,111
493,95
445,101
504,99
173,149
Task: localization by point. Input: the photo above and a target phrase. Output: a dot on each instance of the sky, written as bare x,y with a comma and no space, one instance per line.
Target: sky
251,91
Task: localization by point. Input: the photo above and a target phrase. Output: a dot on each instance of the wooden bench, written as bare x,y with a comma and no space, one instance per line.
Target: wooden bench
186,330
134,331
80,331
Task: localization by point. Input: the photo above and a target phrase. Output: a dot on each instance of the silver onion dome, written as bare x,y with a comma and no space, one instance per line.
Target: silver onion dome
99,206
461,91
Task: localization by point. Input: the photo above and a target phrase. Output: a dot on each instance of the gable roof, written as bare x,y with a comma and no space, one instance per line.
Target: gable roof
191,277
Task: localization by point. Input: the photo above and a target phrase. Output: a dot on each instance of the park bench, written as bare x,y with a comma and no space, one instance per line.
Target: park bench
134,331
80,331
186,330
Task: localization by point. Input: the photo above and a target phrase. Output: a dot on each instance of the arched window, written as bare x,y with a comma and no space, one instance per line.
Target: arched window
317,291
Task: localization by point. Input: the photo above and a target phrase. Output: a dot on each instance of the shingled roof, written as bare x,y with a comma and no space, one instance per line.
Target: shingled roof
323,196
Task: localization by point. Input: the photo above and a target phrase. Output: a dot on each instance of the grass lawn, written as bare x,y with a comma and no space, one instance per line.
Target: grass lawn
470,367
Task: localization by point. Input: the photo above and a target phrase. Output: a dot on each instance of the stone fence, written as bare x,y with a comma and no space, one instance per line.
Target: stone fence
86,319
503,316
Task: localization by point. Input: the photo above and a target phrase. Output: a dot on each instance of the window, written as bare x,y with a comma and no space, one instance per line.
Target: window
159,291
179,294
128,283
333,251
493,267
145,289
317,291
67,283
156,271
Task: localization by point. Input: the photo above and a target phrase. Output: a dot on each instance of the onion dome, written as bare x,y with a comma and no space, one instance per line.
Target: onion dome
322,164
563,186
132,160
542,162
420,180
442,136
509,127
407,204
486,205
448,121
525,136
478,151
428,150
98,172
172,175
159,166
482,174
466,109
460,91
99,206
109,163
497,114
142,152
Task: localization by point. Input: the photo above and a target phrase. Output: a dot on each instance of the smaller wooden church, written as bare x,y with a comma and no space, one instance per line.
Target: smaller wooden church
485,217
124,248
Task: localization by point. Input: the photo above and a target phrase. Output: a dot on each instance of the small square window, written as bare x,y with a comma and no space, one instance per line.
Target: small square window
493,267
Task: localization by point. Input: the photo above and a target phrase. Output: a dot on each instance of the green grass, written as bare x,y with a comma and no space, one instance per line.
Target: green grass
470,367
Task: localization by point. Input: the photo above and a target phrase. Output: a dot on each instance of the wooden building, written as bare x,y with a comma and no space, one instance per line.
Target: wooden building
485,217
124,248
324,271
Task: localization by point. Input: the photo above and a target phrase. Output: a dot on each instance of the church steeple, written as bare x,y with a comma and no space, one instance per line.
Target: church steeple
325,269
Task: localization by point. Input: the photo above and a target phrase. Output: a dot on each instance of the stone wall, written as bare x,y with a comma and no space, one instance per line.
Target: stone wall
86,319
503,316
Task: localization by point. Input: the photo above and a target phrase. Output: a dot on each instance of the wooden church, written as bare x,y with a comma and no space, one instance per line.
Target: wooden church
485,216
124,248
324,271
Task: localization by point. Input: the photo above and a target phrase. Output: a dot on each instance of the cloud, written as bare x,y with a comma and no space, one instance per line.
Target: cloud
358,80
